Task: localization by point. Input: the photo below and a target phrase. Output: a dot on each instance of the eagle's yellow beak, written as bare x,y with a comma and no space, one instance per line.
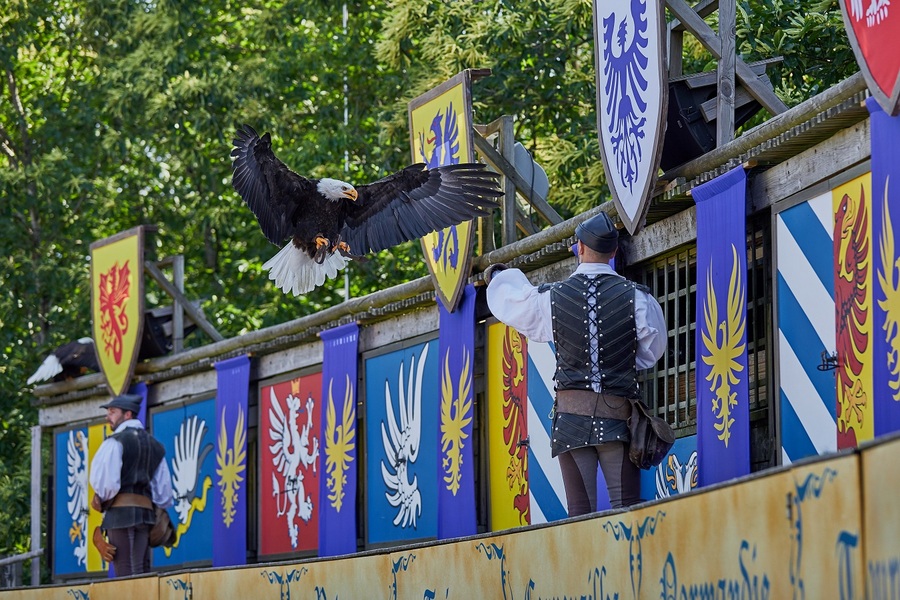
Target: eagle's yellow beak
351,194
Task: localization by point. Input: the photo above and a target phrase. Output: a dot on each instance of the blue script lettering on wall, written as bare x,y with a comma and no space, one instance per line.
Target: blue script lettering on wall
847,544
884,578
810,488
633,533
753,585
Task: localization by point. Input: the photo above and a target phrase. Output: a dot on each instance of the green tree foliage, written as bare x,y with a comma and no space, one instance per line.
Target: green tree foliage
121,112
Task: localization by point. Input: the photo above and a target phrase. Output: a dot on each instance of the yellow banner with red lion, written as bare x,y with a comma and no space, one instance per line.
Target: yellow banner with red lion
117,305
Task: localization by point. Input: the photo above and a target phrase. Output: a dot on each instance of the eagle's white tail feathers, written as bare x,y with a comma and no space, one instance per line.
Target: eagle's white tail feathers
49,368
294,271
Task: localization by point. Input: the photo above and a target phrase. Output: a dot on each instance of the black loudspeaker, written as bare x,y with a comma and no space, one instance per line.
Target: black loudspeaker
688,133
157,338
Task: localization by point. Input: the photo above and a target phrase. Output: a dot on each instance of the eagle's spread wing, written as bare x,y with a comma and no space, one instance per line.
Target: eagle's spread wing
273,192
414,202
69,359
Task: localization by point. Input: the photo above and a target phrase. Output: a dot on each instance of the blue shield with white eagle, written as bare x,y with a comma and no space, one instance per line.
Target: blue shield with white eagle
632,93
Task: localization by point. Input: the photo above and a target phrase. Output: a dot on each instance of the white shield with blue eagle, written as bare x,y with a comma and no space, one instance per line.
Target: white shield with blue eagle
632,92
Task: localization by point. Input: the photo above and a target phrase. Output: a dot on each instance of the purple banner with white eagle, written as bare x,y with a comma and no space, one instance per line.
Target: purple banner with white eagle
230,492
886,283
337,487
723,412
456,467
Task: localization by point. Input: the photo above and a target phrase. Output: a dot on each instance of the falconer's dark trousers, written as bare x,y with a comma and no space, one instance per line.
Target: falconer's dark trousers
579,474
132,550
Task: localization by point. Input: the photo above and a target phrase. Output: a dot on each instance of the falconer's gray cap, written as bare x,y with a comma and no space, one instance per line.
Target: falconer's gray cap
125,402
598,233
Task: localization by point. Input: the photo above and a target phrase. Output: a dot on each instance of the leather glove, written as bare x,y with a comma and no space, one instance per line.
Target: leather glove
107,550
491,270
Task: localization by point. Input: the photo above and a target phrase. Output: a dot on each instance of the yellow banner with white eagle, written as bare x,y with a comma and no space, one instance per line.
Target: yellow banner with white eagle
117,305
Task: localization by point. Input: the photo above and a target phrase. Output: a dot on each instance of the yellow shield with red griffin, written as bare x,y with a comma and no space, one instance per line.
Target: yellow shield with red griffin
440,123
117,305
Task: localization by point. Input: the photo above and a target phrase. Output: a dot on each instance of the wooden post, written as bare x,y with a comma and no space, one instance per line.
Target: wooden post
507,151
36,504
725,70
177,307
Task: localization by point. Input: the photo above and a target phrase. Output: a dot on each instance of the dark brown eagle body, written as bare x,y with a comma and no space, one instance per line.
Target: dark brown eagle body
329,221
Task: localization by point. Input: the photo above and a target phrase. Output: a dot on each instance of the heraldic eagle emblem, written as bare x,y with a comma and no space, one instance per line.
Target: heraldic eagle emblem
340,441
456,414
723,347
401,444
890,288
231,462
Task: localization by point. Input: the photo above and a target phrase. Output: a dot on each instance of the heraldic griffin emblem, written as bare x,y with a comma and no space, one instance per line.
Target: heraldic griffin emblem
515,424
291,453
851,303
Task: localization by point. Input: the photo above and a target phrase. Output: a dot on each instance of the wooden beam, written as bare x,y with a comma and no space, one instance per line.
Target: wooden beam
507,151
660,237
493,158
697,26
189,308
770,129
764,94
704,8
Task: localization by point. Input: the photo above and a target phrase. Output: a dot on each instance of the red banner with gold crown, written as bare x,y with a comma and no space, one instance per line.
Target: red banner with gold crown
440,133
117,305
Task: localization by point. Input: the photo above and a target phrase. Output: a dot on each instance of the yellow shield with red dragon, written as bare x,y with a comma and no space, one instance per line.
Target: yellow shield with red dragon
117,305
852,204
440,130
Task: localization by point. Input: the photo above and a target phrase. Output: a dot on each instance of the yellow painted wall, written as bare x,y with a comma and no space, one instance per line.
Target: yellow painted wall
824,529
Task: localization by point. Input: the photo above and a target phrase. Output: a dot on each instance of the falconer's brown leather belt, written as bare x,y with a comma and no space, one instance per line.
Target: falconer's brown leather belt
593,404
126,499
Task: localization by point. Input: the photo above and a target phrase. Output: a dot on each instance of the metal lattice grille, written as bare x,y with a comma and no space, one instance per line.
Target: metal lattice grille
670,387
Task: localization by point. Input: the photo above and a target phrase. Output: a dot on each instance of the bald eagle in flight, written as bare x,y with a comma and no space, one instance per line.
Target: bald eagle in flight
329,222
67,361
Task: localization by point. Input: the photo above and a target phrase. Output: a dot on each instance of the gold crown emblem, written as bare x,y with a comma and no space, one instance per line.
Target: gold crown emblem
295,386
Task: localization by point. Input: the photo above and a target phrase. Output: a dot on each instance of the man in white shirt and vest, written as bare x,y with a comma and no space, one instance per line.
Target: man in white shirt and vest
605,327
130,477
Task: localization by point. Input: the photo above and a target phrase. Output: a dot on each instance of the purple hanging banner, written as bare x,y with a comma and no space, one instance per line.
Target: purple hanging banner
456,467
337,486
141,390
229,535
723,411
885,131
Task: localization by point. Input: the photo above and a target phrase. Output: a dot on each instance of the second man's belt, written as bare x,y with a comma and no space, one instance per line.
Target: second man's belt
593,404
126,499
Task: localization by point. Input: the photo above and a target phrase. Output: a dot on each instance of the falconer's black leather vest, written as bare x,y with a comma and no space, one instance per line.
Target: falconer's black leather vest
141,455
607,301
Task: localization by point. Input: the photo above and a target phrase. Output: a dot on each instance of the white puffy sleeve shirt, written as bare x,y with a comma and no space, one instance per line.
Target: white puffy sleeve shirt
106,471
517,303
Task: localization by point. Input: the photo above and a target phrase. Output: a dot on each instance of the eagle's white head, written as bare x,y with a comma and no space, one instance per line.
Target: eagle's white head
336,190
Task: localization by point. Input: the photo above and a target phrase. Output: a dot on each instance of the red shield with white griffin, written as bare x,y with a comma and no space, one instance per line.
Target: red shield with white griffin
873,27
